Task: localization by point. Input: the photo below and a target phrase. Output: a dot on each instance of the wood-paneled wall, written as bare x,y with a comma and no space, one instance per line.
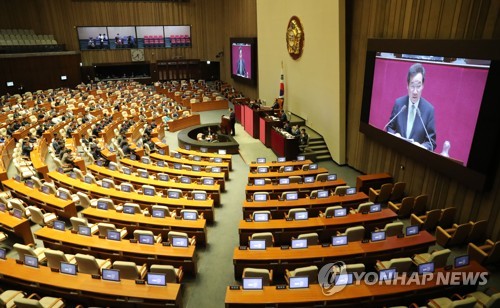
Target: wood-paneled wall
418,19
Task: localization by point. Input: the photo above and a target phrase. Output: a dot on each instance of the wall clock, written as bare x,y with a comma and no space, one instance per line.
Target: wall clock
295,38
137,55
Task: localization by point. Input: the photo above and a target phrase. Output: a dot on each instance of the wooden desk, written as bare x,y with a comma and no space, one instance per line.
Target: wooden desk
204,163
354,252
210,105
140,222
63,208
118,250
37,157
250,189
225,157
19,227
205,206
276,174
356,295
182,123
85,290
283,146
365,182
283,230
137,182
274,165
313,206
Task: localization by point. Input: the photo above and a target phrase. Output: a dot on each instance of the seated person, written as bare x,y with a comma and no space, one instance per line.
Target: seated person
283,117
287,127
67,159
295,130
276,104
26,148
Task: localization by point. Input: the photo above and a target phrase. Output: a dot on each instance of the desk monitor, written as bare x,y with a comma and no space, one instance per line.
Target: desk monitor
174,194
217,160
112,167
331,177
375,208
412,230
72,175
299,243
196,168
313,167
17,213
145,160
426,268
257,245
344,279
105,184
387,274
3,253
127,209
59,225
261,160
161,151
378,236
125,188
350,191
178,155
87,179
30,261
309,179
200,196
292,196
114,235
3,208
260,197
222,151
262,169
177,166
252,283
284,181
259,182
29,183
203,150
180,242
148,191
161,163
461,261
146,239
189,216
62,195
301,215
84,230
126,170
158,213
60,170
288,169
197,158
133,157
340,212
208,181
185,180
100,163
46,189
299,282
339,240
156,279
68,268
301,158
17,178
187,147
111,274
281,159
144,174
216,170
102,205
323,194
261,217
163,177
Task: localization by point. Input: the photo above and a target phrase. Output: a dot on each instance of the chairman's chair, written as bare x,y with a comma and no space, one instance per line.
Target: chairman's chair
88,264
172,274
130,270
310,271
265,274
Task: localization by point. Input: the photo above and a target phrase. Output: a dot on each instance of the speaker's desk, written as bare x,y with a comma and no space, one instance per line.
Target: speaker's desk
85,290
284,230
354,252
122,250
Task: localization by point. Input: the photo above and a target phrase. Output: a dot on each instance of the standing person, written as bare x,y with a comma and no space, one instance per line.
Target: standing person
412,116
241,69
232,121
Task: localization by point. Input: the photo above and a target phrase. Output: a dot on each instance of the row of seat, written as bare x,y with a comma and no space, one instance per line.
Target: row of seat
387,192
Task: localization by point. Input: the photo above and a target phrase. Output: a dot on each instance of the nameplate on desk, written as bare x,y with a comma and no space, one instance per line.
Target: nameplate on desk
55,270
275,183
248,219
365,241
165,243
140,281
133,240
74,231
448,267
242,247
329,216
312,197
401,235
281,287
289,219
324,245
250,184
19,261
249,200
147,214
364,212
178,217
96,276
284,247
102,236
234,287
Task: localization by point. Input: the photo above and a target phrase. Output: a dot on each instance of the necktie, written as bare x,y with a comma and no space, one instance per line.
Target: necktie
411,119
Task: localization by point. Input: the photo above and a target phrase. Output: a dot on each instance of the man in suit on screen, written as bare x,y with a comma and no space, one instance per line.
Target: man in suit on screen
412,116
241,68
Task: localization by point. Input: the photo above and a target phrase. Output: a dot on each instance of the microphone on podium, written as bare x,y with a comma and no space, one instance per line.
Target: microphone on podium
394,117
425,129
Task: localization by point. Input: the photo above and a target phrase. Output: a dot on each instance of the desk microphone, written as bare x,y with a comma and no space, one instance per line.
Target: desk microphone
425,129
394,117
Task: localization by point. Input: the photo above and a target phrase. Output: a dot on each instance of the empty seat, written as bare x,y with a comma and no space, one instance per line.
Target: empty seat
478,232
172,234
267,236
80,221
109,182
447,217
341,190
404,208
265,274
294,179
130,187
23,250
467,302
420,204
310,271
489,298
398,191
291,213
85,201
439,257
393,228
453,236
167,211
90,265
138,233
135,206
321,177
428,221
39,216
488,253
363,207
34,300
105,227
173,275
312,238
130,270
381,195
110,203
354,234
7,297
55,257
62,190
402,265
330,211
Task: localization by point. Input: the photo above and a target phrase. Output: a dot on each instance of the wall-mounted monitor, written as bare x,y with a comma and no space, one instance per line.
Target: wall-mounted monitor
244,59
437,109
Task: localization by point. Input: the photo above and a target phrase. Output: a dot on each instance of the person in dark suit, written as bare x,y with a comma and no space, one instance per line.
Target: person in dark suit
241,69
232,121
412,116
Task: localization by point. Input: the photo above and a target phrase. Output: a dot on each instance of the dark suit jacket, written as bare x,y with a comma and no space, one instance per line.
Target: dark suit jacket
241,68
398,125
